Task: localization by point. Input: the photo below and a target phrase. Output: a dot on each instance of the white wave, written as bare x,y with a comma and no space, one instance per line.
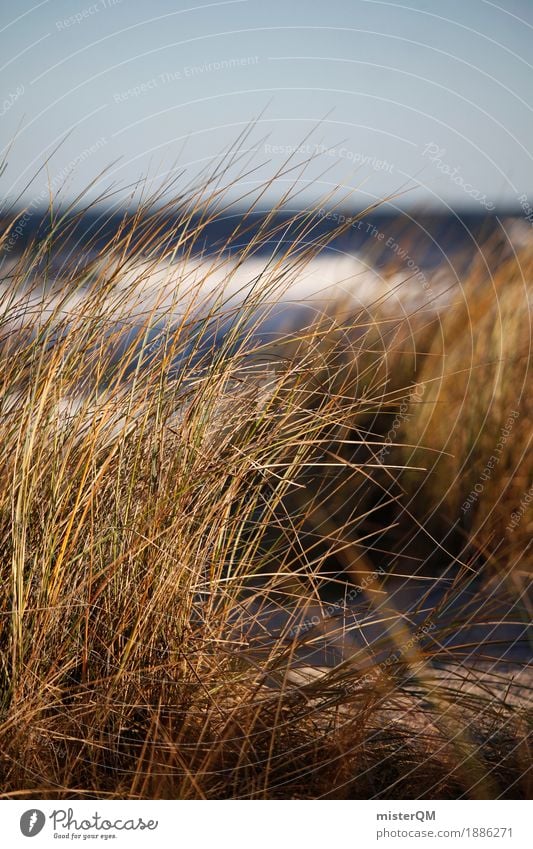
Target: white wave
160,291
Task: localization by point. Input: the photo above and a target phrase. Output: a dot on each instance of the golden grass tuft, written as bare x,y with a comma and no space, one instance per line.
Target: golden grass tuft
477,417
156,488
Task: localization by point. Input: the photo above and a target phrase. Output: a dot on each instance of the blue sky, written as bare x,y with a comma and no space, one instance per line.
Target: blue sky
426,96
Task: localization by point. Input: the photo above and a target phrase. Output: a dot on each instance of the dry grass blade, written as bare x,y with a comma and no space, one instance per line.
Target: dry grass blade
183,490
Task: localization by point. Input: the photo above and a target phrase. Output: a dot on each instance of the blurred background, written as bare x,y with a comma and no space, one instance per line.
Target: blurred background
426,99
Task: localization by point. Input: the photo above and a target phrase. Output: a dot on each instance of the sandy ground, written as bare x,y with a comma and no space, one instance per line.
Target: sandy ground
480,637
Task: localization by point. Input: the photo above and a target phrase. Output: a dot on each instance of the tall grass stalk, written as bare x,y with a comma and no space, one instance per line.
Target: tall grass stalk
165,473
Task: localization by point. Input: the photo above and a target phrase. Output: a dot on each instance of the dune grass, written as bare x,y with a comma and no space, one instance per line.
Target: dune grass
477,415
155,488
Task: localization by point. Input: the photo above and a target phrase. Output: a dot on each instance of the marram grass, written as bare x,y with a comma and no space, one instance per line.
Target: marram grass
157,486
